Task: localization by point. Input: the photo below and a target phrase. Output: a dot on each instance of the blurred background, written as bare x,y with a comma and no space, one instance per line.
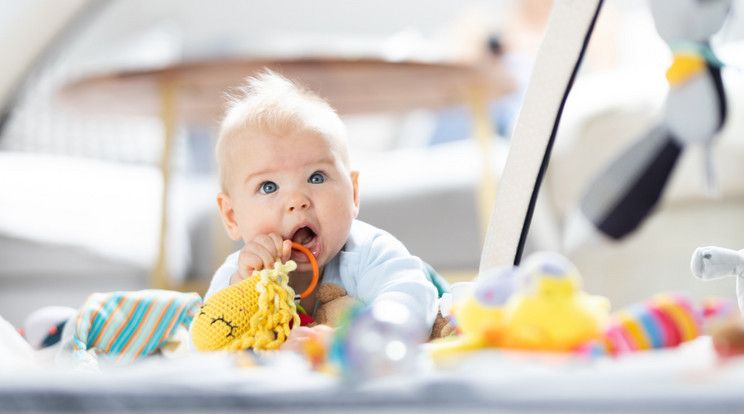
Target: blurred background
110,110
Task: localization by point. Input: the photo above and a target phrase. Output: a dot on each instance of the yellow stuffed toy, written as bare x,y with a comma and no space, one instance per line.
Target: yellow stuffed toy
256,313
538,307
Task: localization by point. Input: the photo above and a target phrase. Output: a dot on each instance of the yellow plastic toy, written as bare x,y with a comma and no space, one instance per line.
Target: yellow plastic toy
480,316
553,313
539,306
256,313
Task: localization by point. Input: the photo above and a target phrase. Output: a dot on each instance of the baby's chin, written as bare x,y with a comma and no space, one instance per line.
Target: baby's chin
301,258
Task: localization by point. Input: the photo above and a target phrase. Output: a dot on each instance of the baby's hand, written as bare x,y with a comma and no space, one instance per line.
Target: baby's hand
302,336
261,253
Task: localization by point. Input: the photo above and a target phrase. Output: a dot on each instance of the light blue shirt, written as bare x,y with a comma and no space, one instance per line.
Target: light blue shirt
372,266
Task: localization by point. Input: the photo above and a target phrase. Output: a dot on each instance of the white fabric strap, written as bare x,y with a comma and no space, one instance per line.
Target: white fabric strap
569,28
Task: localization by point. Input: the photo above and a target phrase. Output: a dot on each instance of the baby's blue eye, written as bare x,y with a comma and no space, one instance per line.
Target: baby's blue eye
317,178
268,187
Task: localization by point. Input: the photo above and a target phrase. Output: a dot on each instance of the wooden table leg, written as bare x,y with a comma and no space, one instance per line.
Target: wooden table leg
159,279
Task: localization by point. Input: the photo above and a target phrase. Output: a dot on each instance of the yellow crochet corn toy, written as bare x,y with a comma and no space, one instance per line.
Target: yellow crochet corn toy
256,313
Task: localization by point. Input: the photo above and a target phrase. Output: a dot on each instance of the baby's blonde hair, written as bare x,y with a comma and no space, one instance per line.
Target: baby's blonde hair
269,103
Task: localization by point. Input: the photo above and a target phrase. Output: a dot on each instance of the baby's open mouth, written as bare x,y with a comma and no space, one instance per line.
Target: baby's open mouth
306,237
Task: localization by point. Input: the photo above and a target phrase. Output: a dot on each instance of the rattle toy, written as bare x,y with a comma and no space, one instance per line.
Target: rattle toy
256,313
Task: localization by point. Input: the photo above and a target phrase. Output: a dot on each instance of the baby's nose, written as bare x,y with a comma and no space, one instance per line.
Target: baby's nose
297,203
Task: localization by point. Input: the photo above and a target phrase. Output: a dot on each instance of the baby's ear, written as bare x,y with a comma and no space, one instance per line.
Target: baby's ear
224,202
355,188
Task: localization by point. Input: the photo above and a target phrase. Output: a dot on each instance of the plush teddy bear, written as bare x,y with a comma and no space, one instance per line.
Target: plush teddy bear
333,303
441,327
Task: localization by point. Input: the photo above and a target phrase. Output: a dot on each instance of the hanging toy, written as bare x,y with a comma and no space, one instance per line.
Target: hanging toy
625,193
256,313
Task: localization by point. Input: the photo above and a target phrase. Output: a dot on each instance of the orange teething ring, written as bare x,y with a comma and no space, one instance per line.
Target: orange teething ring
313,263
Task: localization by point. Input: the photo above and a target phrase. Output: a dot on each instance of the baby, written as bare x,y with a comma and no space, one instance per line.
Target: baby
285,176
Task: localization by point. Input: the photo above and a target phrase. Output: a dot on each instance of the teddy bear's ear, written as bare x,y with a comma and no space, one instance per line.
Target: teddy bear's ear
329,291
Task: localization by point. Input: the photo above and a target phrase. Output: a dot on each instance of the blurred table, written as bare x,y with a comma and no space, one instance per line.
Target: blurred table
350,85
195,92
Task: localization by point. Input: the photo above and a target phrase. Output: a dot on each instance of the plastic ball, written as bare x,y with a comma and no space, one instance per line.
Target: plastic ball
381,340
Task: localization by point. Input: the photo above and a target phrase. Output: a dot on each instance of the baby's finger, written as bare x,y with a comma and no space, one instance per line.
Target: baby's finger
293,344
278,244
272,242
267,255
252,257
297,339
286,250
247,263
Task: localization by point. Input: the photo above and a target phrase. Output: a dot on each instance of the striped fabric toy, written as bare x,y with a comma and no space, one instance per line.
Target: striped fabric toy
126,325
665,320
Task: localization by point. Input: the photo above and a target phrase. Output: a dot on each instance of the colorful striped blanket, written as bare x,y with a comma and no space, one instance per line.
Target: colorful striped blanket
123,326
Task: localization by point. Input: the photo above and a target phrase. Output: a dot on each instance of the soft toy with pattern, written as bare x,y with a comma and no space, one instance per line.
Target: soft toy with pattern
665,320
256,313
123,326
